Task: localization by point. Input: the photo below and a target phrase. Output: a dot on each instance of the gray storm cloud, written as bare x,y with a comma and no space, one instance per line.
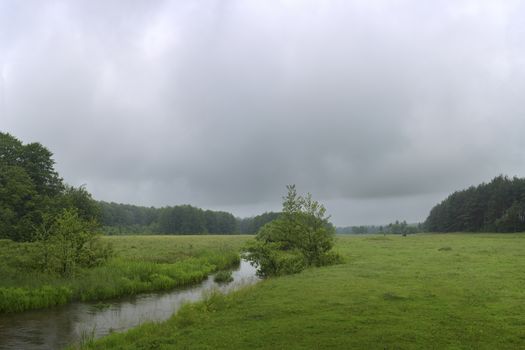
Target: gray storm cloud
378,108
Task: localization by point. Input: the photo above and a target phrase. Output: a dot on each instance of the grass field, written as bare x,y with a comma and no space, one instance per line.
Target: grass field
141,264
439,291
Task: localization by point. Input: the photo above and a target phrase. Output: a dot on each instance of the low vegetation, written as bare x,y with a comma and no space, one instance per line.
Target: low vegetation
139,264
223,276
392,293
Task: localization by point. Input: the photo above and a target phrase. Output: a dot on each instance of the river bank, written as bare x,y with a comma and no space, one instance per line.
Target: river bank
141,264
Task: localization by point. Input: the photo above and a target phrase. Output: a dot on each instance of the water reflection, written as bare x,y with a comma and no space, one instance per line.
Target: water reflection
58,327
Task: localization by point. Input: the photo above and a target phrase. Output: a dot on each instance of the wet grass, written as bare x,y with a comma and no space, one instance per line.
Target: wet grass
392,293
141,264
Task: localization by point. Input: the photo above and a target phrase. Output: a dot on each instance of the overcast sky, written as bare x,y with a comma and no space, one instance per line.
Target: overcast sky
380,109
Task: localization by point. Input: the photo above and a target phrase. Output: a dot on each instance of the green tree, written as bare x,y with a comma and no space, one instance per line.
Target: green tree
10,149
80,199
182,219
301,236
252,225
220,222
29,185
31,190
359,229
17,203
39,164
69,242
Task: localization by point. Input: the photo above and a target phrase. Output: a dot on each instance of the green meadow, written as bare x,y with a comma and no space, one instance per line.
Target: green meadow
425,291
140,264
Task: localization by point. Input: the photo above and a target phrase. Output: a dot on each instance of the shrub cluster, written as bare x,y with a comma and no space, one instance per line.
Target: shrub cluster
70,243
302,236
223,277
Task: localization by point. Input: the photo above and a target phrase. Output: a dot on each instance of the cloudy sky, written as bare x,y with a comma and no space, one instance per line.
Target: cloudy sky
380,109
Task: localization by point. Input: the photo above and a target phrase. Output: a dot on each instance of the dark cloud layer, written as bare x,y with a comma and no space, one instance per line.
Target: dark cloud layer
378,108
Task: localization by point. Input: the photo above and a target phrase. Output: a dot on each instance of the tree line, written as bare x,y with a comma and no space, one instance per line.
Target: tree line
180,219
33,196
497,206
251,225
397,227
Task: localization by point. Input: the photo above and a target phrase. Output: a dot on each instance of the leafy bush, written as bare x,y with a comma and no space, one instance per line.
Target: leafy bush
69,243
302,236
223,277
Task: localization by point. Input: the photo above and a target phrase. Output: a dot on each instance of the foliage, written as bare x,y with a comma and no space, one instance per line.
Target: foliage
126,215
498,206
272,260
223,276
31,190
396,227
394,293
359,229
81,201
69,243
301,236
253,224
180,219
36,162
17,203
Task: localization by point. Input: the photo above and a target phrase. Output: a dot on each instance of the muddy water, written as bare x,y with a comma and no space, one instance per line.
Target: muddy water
55,328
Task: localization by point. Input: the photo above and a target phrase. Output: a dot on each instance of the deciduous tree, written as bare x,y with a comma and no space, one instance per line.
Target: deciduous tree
301,236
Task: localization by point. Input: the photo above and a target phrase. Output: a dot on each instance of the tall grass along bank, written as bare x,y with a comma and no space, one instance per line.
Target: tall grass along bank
142,264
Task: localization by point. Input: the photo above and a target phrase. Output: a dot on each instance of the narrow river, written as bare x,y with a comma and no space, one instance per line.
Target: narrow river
57,327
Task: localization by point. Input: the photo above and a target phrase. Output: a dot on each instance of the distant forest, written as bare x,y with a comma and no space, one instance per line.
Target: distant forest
397,227
181,219
498,206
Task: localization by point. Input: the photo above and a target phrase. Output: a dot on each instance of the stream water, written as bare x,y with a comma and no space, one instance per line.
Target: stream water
58,327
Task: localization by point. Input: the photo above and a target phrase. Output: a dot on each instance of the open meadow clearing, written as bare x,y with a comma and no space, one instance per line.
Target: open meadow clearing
428,291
